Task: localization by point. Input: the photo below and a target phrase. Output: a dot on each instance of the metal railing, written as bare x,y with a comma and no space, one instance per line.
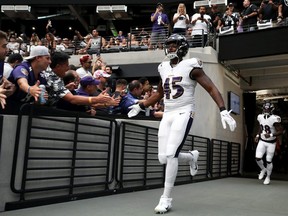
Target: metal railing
225,158
62,156
260,25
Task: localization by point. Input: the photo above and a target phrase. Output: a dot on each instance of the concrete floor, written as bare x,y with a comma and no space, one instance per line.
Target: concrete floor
222,197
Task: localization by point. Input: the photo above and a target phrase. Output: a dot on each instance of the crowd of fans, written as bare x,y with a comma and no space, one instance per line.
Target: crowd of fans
90,86
216,20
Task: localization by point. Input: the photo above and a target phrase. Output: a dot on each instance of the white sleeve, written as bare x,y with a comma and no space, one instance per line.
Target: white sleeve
195,63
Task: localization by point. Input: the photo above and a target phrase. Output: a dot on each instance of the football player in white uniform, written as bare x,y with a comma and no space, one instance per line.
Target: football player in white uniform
177,86
269,128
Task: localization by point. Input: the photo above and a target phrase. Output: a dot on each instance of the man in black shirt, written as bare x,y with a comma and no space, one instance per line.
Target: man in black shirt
282,11
249,16
268,10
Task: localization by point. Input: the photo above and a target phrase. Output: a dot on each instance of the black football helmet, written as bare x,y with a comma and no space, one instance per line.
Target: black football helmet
268,108
182,44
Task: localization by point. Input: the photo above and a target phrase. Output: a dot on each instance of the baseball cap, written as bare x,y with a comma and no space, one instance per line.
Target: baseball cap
38,51
231,4
101,73
159,4
89,80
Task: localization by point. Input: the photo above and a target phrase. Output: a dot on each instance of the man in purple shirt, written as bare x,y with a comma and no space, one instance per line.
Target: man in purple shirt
88,86
159,28
27,77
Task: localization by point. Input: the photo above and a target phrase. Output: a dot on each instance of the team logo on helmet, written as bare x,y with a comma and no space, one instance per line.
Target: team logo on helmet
268,108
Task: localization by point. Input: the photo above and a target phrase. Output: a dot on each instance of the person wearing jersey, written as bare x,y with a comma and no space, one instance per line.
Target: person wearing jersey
27,77
178,81
269,128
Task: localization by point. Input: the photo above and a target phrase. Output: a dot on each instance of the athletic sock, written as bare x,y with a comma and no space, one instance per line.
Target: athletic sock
170,175
269,168
260,164
185,157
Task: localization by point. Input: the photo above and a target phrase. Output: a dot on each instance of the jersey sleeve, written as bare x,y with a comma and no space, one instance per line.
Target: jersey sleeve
277,119
19,72
160,66
258,118
254,8
195,63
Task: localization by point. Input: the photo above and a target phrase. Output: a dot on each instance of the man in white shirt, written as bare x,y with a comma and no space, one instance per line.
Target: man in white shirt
85,61
201,24
13,60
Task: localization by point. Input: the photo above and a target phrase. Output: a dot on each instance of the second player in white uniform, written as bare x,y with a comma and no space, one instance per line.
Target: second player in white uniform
177,86
269,128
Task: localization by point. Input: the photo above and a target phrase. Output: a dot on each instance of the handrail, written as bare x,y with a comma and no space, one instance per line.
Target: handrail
42,139
76,157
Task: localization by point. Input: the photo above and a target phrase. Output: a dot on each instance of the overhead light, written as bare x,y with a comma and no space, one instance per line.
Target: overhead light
22,8
7,8
275,97
16,8
209,3
103,8
218,2
119,8
200,3
111,8
52,15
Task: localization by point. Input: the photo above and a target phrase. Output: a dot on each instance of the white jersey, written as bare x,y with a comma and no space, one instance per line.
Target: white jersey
177,85
267,125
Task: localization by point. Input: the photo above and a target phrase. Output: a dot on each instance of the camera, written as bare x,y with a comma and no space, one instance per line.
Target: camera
181,18
202,17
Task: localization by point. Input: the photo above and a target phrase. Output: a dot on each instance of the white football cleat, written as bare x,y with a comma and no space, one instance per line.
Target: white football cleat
261,174
267,180
165,204
193,163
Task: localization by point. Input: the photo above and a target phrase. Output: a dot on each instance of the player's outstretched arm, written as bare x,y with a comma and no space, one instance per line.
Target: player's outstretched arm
136,108
227,118
209,86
